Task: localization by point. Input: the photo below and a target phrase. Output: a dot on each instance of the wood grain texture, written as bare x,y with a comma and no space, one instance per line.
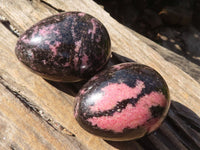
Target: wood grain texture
50,105
183,63
45,100
21,129
183,88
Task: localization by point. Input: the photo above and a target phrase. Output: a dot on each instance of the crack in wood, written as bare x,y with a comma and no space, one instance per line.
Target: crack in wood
36,110
51,6
6,23
14,146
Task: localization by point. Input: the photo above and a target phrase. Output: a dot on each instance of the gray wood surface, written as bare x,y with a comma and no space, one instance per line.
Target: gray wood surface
36,114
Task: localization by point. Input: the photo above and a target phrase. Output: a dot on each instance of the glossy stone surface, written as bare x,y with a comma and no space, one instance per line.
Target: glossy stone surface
124,102
66,47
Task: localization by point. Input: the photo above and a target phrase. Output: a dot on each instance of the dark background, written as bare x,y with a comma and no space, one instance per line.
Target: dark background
174,24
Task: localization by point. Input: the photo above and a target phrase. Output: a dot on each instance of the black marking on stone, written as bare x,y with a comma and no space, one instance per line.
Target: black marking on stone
121,105
151,81
156,111
118,108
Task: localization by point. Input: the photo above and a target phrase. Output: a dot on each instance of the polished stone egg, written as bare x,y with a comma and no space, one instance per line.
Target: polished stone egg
124,102
66,47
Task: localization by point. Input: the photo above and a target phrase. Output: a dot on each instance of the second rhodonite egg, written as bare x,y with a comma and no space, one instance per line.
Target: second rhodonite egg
124,102
67,47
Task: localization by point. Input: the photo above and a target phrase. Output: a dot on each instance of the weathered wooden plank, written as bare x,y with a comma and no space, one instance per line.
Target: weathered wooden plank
24,13
183,88
22,129
125,43
55,106
180,61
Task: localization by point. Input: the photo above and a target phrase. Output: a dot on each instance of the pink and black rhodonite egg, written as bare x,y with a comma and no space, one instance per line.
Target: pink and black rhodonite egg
66,47
123,102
